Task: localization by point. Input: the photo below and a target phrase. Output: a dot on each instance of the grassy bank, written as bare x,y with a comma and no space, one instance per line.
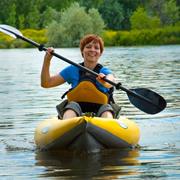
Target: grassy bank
163,36
36,35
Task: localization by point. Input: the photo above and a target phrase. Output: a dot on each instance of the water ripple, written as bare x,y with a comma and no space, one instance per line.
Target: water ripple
24,104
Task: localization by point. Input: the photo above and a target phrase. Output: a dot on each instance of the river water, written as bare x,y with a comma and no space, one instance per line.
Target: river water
23,104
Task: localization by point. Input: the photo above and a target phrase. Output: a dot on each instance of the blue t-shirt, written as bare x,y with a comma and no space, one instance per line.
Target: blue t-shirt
71,75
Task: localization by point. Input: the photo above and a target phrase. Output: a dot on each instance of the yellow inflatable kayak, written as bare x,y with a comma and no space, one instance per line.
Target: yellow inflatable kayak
86,133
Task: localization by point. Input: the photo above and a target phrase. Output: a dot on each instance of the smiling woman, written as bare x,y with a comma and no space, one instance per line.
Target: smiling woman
91,47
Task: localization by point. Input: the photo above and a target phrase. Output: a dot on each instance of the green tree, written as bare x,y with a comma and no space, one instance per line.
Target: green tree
33,17
57,36
96,20
21,21
11,20
116,13
141,20
129,7
170,13
166,10
75,22
90,3
58,5
31,13
5,5
112,13
48,16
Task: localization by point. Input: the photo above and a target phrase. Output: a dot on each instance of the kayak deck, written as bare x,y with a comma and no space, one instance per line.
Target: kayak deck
86,133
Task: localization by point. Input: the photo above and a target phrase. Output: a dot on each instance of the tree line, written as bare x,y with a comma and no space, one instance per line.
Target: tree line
116,14
61,23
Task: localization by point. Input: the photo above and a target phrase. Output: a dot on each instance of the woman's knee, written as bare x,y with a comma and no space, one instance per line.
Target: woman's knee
107,114
69,113
105,111
72,109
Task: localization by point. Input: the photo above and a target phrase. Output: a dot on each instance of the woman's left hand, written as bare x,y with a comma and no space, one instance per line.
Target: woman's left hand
100,78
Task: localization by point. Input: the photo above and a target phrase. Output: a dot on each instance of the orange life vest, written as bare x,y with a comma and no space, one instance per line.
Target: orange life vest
86,90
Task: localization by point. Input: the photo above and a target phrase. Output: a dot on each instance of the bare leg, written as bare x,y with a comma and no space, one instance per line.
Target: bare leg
69,114
107,114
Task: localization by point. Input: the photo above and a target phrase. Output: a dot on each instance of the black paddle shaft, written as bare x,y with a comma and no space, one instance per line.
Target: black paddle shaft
42,48
144,99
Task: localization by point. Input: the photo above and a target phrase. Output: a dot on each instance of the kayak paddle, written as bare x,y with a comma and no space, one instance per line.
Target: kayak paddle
144,99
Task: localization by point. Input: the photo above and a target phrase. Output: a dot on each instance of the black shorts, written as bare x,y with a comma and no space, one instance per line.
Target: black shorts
81,108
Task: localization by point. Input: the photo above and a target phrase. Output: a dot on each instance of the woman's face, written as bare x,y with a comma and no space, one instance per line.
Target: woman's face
91,52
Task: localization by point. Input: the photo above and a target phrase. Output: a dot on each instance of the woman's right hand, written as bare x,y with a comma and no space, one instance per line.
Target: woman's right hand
48,55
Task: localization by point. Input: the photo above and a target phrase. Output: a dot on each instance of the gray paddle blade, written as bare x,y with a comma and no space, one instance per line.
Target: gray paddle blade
151,102
11,31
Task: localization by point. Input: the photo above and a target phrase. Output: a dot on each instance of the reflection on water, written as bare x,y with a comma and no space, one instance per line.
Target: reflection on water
24,104
106,165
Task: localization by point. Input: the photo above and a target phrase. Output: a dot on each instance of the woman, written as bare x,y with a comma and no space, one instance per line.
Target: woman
88,94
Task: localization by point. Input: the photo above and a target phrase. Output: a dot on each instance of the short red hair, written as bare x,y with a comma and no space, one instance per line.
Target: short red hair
89,38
